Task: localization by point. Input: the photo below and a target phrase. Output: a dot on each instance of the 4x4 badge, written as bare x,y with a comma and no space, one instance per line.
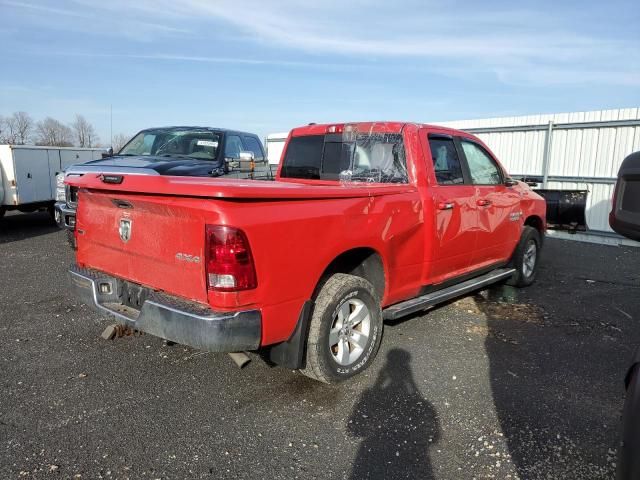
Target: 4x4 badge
125,229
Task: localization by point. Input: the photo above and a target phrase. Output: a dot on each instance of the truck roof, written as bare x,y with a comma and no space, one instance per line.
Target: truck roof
375,126
192,127
49,147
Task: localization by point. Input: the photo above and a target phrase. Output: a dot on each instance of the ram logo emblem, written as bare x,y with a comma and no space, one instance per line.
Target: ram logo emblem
125,229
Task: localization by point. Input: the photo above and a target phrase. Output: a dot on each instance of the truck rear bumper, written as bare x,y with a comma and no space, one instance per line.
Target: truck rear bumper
180,321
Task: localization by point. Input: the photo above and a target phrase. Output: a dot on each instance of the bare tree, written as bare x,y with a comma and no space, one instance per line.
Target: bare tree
52,132
84,132
19,126
3,127
119,141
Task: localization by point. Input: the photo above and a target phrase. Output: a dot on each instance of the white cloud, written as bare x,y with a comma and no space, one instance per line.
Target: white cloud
42,9
515,44
499,41
89,18
173,57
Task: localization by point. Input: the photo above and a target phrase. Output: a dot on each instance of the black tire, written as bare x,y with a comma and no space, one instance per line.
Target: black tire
52,214
525,274
2,211
342,293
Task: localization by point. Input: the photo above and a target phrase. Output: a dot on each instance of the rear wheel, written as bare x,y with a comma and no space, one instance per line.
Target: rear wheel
345,329
525,258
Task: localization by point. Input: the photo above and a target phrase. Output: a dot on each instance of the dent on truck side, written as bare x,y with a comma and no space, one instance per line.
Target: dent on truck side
293,243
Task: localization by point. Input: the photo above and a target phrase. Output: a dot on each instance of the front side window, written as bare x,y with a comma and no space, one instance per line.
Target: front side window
446,163
192,143
367,157
483,169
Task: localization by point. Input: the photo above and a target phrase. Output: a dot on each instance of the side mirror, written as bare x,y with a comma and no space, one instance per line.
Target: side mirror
510,182
246,156
108,153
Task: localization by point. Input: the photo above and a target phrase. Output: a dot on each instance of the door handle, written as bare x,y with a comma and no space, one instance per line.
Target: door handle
445,205
483,202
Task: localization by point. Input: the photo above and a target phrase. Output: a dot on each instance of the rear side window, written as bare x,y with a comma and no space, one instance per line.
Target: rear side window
483,169
233,146
446,163
251,144
303,157
370,157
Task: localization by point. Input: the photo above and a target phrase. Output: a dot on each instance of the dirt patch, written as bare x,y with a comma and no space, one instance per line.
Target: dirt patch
483,330
520,312
478,329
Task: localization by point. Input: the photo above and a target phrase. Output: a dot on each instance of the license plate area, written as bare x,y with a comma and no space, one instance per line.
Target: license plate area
132,295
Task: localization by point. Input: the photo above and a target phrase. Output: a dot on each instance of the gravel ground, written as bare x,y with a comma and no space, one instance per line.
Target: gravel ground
508,384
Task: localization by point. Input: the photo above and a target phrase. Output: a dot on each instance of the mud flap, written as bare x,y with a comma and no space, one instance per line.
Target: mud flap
290,354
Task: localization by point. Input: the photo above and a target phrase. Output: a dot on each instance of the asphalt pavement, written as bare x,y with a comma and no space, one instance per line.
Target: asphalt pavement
508,384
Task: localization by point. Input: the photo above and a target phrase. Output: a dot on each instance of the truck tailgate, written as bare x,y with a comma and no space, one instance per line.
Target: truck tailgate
153,240
150,229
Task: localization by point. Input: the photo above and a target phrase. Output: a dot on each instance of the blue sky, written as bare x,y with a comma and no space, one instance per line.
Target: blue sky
269,66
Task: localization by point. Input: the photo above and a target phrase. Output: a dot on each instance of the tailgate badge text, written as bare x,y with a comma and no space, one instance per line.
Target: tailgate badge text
185,257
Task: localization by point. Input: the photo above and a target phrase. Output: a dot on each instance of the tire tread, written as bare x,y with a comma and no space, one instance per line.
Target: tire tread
517,280
328,292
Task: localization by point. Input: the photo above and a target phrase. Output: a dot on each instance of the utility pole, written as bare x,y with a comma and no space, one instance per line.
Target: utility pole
111,124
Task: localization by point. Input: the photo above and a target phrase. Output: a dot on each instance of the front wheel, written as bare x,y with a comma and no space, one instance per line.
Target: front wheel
345,329
52,214
525,258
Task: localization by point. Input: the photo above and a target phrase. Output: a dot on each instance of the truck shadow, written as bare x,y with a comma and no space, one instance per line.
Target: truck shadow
398,426
20,226
556,379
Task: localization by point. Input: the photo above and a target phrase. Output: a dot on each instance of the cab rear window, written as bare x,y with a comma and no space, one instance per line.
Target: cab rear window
370,157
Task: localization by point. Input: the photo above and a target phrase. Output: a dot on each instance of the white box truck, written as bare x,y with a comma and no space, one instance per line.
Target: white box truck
275,144
28,174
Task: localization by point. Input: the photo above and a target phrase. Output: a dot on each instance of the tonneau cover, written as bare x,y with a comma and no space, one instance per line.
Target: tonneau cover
232,188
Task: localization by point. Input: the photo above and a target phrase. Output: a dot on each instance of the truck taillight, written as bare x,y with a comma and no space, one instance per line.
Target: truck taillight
229,261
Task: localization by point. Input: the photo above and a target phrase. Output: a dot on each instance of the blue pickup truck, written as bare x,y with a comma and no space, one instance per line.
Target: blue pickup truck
176,151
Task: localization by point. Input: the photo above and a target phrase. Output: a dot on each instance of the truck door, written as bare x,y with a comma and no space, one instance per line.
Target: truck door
498,207
33,178
71,157
454,208
54,167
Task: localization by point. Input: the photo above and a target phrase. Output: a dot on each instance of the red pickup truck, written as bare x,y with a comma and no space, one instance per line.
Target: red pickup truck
365,222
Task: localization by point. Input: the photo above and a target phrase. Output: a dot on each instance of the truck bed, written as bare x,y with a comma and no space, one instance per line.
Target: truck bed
290,238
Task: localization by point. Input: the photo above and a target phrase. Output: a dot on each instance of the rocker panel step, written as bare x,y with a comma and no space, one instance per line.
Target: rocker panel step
420,303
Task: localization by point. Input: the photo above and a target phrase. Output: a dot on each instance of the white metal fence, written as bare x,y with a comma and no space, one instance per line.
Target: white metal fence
581,150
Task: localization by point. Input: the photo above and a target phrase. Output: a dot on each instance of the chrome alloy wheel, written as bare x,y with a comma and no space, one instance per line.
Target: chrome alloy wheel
529,260
349,332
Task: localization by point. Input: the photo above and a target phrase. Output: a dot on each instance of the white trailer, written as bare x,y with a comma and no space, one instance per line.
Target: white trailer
28,174
275,144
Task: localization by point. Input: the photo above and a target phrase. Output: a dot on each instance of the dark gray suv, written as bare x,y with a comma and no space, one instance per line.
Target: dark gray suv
625,219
